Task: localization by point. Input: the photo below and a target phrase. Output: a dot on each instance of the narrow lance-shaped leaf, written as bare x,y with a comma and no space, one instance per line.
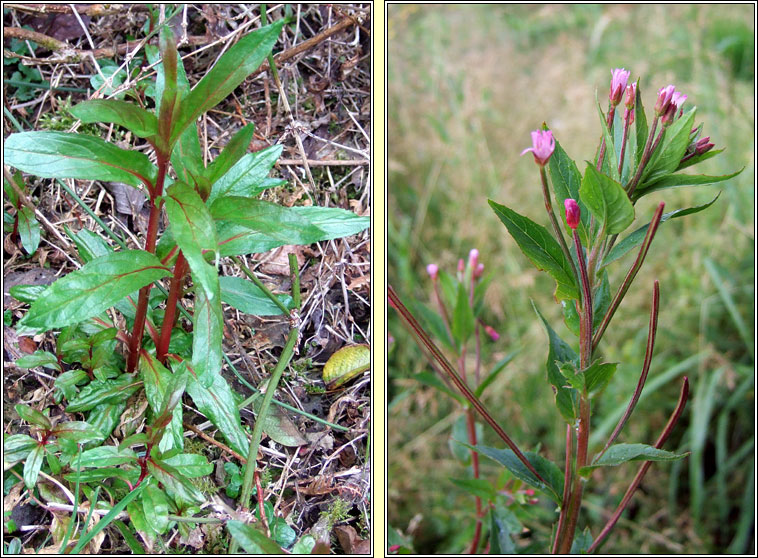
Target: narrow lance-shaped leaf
677,180
232,152
156,379
207,335
28,229
668,155
33,465
566,180
62,155
246,177
194,231
230,70
94,288
170,102
606,200
622,453
541,248
636,238
140,122
251,539
329,223
248,298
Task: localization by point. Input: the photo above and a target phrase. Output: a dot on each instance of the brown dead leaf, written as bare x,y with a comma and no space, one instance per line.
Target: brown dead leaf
278,263
27,345
350,542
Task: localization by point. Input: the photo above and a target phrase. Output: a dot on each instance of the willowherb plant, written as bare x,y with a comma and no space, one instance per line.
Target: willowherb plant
213,212
633,160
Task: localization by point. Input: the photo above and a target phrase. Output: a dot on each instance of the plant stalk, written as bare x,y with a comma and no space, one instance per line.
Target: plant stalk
553,220
180,270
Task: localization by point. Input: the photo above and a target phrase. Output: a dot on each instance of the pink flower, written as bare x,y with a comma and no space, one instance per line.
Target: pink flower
461,265
573,213
494,335
432,270
543,145
664,99
479,271
619,77
678,99
473,258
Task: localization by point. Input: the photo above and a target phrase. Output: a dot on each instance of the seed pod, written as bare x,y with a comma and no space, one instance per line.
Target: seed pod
346,364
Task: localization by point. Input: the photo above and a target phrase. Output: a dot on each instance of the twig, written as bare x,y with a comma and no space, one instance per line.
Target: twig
216,443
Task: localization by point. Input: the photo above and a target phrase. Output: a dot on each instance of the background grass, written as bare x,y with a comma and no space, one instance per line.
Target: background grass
466,86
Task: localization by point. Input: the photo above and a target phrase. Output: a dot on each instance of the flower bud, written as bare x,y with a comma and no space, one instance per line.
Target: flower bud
473,258
543,145
479,271
494,335
432,270
703,145
573,213
619,77
664,99
631,96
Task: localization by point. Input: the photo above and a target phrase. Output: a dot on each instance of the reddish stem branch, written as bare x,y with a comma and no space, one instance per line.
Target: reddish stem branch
643,469
180,269
424,339
652,328
471,427
559,531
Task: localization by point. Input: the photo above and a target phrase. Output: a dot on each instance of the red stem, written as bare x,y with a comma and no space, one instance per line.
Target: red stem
471,426
643,469
180,269
566,490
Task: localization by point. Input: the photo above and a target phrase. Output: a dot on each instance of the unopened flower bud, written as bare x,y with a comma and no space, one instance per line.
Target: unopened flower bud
432,270
461,267
703,145
543,145
479,271
619,77
664,99
573,213
631,95
494,335
473,258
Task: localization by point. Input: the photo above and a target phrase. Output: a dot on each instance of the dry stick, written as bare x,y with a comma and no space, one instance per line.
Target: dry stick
326,162
642,470
215,442
424,338
624,287
645,368
89,10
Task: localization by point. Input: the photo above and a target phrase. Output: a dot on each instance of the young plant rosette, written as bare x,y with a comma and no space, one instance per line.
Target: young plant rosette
212,212
596,208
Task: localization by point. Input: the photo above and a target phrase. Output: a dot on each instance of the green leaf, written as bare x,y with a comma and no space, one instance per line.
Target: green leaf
431,321
27,293
28,229
677,180
345,364
68,381
62,155
566,181
89,245
232,153
458,441
228,72
99,392
503,526
155,506
170,106
175,483
10,191
268,218
559,351
597,376
33,416
695,159
140,122
329,223
157,380
106,416
94,288
432,380
194,231
39,358
606,200
541,248
463,317
601,300
207,335
572,375
477,487
571,316
278,426
547,470
96,475
248,298
105,456
17,447
217,403
494,373
622,453
33,465
191,465
304,545
252,540
78,432
582,542
245,177
636,238
669,153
